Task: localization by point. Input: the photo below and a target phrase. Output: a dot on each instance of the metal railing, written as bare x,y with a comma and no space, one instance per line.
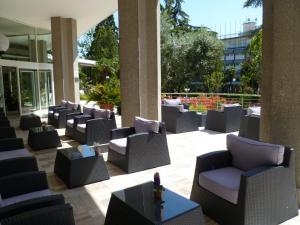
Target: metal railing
202,102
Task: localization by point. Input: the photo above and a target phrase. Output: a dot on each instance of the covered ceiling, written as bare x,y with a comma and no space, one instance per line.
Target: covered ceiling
38,13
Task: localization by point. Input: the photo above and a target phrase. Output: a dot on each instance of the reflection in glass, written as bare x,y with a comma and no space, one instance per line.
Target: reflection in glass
28,91
46,95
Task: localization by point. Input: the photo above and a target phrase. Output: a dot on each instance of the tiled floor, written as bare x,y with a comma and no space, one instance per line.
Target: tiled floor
90,202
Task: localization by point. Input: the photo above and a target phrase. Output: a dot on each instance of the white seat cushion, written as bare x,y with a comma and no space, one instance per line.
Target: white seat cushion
224,182
24,197
81,127
56,115
70,122
14,154
172,102
118,145
51,112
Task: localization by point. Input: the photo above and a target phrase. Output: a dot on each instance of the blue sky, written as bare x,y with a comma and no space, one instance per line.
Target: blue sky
216,14
222,16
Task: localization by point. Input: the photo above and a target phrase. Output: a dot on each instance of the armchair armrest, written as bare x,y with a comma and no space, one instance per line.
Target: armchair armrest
80,119
51,108
57,109
8,144
122,132
72,115
23,183
64,112
18,165
213,160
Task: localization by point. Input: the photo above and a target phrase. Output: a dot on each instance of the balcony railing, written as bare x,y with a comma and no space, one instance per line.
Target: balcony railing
202,102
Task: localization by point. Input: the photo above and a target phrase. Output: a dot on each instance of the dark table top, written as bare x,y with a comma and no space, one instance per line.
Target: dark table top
79,152
141,199
42,129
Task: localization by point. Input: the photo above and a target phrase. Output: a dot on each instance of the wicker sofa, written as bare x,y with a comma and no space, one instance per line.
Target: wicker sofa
251,183
57,115
7,132
47,210
93,126
227,120
14,158
134,149
179,121
250,126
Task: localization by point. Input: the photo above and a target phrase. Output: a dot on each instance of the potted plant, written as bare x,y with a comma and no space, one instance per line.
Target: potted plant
106,94
158,188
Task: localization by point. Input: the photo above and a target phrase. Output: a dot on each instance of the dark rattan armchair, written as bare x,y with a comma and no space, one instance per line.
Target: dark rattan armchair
7,132
249,127
231,195
89,130
14,158
58,115
48,210
134,152
224,121
177,121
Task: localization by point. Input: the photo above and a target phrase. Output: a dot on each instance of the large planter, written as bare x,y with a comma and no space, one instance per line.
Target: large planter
107,106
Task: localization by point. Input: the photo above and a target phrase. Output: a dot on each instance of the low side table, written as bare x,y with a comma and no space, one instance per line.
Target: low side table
43,137
29,121
136,205
78,166
201,118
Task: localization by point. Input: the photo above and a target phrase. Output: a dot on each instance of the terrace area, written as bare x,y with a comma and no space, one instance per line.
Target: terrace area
90,202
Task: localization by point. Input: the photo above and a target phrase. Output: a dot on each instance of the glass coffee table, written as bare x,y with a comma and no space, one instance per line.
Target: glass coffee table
136,205
78,166
43,137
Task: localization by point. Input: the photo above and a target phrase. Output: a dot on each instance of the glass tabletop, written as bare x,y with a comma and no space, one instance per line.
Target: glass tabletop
42,129
79,152
141,199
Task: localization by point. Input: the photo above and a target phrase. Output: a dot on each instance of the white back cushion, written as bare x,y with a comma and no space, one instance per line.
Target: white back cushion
88,111
144,125
248,154
102,113
172,101
255,110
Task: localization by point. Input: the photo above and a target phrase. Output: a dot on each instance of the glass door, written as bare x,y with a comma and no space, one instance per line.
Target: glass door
28,91
45,89
10,89
2,100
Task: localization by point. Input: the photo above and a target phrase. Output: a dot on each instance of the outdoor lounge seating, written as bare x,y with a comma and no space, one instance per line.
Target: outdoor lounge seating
47,210
14,158
250,123
4,122
57,115
227,120
92,128
178,120
251,183
141,147
7,132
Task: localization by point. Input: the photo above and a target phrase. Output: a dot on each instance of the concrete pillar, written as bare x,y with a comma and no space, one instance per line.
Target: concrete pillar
65,59
280,119
139,24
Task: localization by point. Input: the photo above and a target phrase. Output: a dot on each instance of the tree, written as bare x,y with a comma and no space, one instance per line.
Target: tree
253,3
178,18
251,72
214,81
188,56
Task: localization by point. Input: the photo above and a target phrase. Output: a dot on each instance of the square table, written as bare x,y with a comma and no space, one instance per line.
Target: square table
29,121
43,137
136,205
78,166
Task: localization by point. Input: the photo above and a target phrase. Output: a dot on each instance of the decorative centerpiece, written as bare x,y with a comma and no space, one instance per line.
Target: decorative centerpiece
158,188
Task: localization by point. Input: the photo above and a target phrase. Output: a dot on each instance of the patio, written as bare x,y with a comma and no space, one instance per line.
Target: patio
91,201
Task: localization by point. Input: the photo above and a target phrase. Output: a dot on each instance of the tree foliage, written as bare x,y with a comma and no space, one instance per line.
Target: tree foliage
252,68
215,81
253,3
187,56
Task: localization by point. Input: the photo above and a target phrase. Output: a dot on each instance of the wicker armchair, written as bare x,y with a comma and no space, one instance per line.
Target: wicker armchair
249,127
7,132
4,122
58,115
23,186
177,121
139,151
89,130
14,158
265,195
48,210
224,121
